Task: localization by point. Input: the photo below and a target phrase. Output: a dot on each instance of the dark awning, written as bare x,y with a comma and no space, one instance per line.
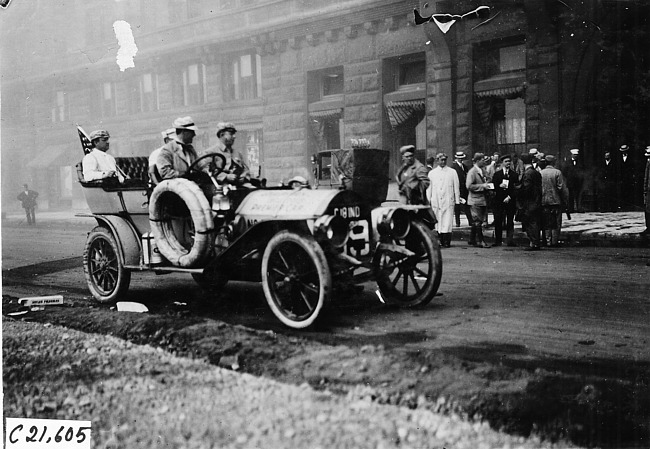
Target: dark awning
404,103
510,85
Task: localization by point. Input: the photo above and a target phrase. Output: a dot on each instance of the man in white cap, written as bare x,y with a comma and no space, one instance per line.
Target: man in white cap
98,164
461,171
178,154
154,175
646,192
573,171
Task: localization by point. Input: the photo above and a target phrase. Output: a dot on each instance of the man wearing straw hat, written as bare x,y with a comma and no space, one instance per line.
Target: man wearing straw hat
178,154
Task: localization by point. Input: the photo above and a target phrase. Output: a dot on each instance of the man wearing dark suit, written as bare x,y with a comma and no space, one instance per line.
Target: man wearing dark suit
626,177
573,171
529,202
607,184
505,180
461,170
28,199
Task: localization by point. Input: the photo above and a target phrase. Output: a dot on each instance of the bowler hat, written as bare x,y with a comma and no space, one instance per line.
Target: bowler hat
185,123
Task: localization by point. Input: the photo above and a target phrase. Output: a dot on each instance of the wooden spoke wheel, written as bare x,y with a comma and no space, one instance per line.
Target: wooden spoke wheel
105,274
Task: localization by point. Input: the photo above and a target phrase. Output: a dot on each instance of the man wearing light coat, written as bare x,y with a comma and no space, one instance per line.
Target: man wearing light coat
444,194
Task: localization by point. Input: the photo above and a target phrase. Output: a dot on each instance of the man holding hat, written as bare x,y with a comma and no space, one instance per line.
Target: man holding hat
98,164
154,175
461,171
646,192
412,179
236,171
178,154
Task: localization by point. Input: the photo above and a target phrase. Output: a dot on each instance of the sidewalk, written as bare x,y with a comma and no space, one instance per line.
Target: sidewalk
589,229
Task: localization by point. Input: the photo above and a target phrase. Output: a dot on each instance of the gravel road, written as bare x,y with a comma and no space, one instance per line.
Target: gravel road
142,397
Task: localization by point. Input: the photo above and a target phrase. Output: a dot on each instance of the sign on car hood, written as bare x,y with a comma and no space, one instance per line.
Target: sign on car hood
287,204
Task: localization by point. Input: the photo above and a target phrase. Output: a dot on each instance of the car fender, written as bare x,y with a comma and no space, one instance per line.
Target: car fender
126,237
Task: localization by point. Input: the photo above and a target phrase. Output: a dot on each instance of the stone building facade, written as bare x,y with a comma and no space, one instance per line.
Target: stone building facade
298,78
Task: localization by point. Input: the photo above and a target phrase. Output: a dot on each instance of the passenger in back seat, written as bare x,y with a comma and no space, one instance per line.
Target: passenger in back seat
98,165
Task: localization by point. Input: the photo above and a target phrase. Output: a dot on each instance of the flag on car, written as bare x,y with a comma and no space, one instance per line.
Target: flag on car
85,140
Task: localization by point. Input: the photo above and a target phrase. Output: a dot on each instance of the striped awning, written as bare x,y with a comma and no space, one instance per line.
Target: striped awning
326,114
509,85
400,111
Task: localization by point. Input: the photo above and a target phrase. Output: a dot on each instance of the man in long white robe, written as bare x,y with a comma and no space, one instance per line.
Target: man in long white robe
444,194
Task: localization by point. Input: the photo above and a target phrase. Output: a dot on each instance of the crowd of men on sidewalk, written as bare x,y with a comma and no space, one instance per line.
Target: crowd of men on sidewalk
527,188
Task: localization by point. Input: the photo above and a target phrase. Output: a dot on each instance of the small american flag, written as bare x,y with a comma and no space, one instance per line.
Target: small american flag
85,140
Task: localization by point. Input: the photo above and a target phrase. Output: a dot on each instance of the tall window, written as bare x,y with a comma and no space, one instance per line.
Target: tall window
194,84
243,77
149,92
325,89
60,107
108,99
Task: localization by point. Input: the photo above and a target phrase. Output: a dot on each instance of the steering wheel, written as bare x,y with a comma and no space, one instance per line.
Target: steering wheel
214,167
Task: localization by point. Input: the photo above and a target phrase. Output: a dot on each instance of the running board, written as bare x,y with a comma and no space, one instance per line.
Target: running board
164,269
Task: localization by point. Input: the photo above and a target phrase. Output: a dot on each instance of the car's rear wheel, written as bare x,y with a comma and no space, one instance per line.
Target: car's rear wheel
105,274
296,279
410,281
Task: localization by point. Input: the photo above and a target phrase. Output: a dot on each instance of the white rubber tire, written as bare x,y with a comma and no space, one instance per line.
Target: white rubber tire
161,227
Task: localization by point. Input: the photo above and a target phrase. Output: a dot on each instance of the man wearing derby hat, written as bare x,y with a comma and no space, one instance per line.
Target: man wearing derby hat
461,171
178,154
573,171
646,191
412,179
98,164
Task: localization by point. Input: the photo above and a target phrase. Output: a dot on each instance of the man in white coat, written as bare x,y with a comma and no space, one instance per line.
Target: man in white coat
444,194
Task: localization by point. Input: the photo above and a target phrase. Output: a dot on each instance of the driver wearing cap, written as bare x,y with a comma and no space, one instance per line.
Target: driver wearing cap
236,171
177,155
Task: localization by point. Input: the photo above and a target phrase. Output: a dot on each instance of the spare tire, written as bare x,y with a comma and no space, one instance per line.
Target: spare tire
175,205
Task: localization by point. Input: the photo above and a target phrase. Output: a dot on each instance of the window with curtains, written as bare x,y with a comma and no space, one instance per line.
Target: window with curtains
243,77
149,92
499,87
188,85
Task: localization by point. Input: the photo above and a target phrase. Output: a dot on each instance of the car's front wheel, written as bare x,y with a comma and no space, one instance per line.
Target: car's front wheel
296,279
410,280
105,274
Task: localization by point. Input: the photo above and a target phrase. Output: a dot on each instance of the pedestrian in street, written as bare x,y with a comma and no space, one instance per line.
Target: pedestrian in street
529,202
154,175
412,179
626,174
606,184
98,165
178,154
28,199
478,187
646,192
444,196
461,171
573,171
554,195
505,180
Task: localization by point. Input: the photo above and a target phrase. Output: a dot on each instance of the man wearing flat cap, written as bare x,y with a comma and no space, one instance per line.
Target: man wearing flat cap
98,164
412,179
178,154
236,171
461,171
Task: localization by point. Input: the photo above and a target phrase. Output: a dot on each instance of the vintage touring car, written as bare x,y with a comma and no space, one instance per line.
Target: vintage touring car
301,244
